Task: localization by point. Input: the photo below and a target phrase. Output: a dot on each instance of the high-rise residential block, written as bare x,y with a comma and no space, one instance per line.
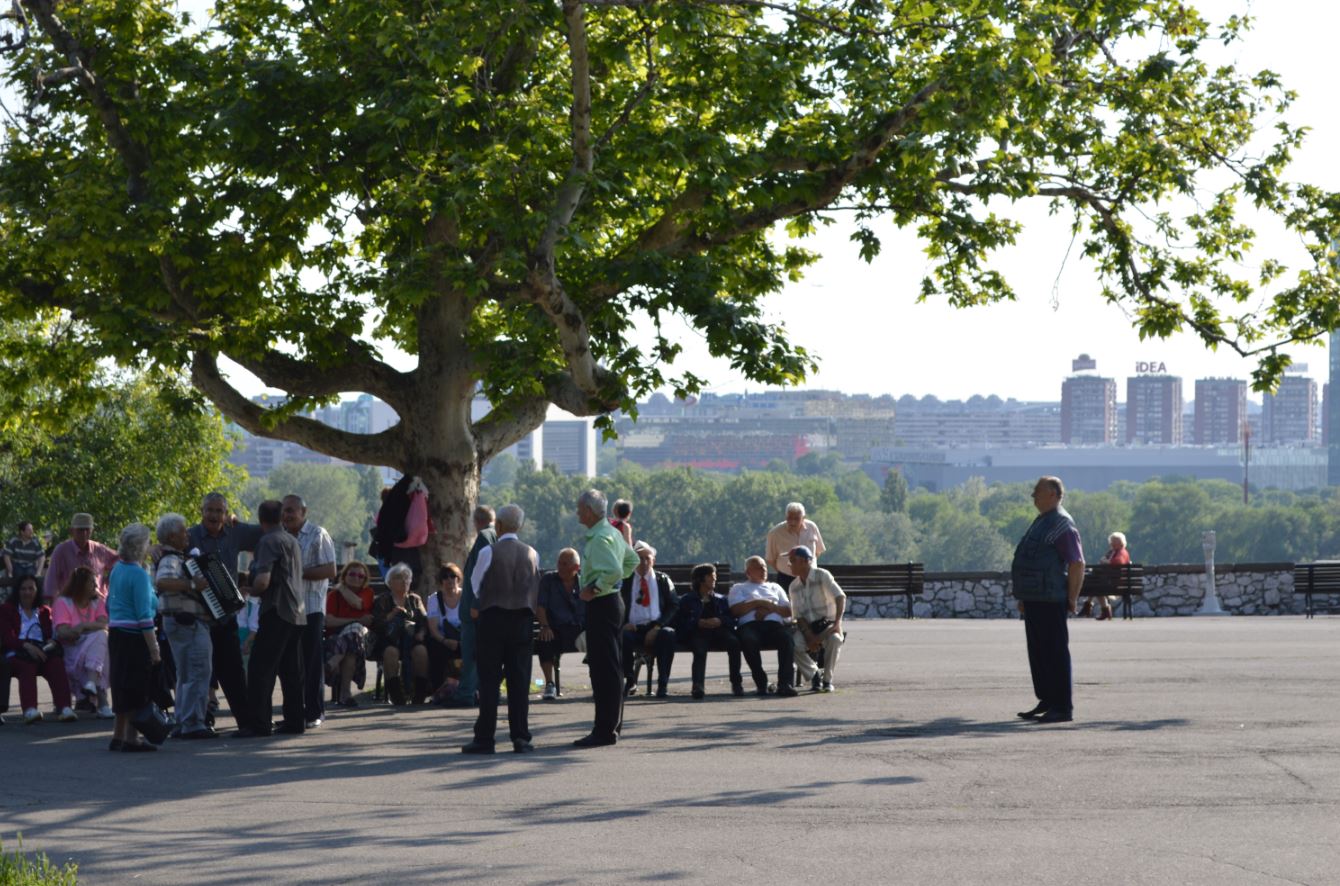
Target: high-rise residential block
1290,414
1088,410
1154,409
1221,410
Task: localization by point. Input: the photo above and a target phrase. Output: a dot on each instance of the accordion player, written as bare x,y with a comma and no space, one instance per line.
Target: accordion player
220,594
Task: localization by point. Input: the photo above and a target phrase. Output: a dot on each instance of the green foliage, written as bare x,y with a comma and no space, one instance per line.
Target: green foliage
131,453
893,496
343,500
501,188
17,868
692,516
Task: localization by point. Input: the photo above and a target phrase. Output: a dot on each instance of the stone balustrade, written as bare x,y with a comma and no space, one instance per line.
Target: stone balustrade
1243,588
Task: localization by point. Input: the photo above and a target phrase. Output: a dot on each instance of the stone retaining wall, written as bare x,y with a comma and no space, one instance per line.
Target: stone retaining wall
1243,588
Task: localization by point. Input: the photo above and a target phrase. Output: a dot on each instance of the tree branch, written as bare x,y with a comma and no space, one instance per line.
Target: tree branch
358,372
385,448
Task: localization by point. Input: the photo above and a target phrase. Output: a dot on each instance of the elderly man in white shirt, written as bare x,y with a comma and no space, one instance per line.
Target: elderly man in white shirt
318,568
817,603
761,609
795,530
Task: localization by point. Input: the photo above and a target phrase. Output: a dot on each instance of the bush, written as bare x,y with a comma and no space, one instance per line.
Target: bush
17,869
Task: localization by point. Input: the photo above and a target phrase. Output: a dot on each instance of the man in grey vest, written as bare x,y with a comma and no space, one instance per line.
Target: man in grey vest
506,580
1046,577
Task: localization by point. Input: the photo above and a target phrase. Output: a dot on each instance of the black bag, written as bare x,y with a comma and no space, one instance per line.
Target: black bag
152,723
819,625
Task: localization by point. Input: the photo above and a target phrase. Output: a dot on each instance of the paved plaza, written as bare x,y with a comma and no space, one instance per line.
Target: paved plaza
1204,751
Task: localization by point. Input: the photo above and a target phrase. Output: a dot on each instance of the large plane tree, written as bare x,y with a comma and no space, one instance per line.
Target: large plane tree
501,188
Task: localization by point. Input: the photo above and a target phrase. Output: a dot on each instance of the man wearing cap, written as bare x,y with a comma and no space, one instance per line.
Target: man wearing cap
78,550
792,532
1046,576
650,603
817,604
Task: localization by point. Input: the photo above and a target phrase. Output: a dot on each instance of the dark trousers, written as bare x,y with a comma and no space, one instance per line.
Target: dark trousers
441,659
52,670
314,666
1049,654
4,684
759,635
663,647
604,658
278,652
722,638
504,650
228,670
782,579
565,640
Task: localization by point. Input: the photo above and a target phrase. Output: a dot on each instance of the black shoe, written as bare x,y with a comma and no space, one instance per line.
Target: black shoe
136,747
696,692
1055,717
815,682
630,688
350,702
662,692
289,729
196,734
252,732
787,692
522,747
477,747
1034,713
737,690
594,741
115,744
764,691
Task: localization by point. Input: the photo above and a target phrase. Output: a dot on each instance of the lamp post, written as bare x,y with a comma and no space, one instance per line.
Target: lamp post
1211,604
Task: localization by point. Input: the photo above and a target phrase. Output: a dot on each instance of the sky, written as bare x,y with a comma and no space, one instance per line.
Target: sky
871,336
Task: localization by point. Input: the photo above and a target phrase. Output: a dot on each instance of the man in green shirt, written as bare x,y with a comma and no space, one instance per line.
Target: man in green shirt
606,561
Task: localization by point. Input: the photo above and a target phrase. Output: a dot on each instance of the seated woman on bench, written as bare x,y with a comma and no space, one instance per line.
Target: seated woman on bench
705,623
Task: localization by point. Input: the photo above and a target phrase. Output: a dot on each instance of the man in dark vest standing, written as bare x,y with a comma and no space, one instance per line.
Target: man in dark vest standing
1047,574
506,579
469,684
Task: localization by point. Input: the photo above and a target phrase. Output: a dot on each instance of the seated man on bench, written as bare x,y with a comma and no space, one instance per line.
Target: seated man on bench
705,622
817,602
762,609
650,604
561,614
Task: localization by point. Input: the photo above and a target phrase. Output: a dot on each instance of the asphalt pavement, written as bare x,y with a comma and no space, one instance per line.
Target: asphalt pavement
1203,751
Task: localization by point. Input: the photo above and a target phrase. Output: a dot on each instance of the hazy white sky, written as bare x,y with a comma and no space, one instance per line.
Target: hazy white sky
870,335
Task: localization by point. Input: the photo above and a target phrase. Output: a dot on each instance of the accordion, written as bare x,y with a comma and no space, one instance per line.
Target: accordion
220,594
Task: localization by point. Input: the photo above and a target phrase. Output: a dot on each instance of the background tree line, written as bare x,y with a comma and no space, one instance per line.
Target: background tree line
693,516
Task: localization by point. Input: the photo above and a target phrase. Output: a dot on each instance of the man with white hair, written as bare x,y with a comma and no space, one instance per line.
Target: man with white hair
606,561
186,623
791,533
318,568
650,602
506,579
762,609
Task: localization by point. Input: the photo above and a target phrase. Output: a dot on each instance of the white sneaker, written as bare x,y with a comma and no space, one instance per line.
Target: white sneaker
550,692
31,716
90,690
105,713
67,715
828,686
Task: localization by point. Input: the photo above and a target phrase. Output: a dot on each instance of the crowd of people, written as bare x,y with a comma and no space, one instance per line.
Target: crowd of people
129,633
125,633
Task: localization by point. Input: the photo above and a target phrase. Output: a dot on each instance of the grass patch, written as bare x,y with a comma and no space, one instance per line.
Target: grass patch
18,869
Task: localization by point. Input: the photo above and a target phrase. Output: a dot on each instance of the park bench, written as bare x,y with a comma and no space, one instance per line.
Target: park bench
1124,580
680,573
881,580
1317,578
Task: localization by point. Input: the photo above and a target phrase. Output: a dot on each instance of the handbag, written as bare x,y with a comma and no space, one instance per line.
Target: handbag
152,723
